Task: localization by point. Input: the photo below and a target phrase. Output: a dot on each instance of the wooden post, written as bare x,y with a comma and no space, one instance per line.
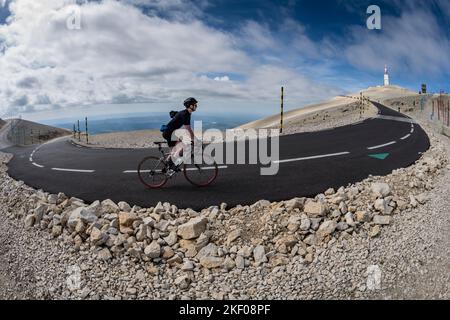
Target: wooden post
448,113
360,105
79,132
87,135
439,105
432,109
282,109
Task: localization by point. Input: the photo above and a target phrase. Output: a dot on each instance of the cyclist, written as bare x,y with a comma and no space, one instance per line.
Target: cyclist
181,118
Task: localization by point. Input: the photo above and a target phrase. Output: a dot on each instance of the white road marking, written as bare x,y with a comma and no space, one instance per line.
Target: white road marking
401,119
73,170
207,168
412,130
313,157
143,171
382,145
40,166
37,165
406,137
188,169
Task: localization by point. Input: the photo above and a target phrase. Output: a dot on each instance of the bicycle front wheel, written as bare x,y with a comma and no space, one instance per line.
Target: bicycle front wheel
152,172
201,175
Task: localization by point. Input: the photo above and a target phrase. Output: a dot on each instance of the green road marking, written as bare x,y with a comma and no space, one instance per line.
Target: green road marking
379,156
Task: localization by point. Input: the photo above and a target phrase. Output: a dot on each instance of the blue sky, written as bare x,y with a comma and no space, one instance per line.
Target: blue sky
141,55
4,12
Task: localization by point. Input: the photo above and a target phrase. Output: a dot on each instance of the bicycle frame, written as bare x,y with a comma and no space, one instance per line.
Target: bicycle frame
164,154
163,160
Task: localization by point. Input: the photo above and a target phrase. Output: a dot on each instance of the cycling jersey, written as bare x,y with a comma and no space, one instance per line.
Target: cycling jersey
182,118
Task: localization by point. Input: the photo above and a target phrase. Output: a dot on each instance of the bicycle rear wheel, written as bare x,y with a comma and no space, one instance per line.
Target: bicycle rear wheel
152,172
201,175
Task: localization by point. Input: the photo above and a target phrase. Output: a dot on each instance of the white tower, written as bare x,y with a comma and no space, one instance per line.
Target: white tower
386,76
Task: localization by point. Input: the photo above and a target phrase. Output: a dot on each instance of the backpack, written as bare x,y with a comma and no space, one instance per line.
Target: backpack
172,114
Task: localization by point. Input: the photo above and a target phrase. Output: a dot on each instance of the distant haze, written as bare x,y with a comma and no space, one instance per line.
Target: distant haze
108,111
134,122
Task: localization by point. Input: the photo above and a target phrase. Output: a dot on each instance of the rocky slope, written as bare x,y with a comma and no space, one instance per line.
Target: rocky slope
23,132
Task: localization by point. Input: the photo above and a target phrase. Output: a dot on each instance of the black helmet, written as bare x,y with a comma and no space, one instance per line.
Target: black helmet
189,102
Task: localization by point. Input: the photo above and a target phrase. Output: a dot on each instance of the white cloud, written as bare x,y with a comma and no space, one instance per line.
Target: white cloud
265,83
288,46
224,78
257,36
286,43
411,44
121,55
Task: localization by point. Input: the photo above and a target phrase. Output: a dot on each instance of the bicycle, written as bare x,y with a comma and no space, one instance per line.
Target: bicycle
154,171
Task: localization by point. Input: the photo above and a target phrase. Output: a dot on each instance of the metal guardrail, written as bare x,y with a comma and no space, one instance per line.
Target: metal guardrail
441,109
20,135
77,134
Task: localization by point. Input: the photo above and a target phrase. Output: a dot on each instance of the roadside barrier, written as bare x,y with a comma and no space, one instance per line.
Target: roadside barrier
77,133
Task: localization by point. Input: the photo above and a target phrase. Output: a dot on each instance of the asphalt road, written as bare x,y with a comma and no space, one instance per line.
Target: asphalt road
310,164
